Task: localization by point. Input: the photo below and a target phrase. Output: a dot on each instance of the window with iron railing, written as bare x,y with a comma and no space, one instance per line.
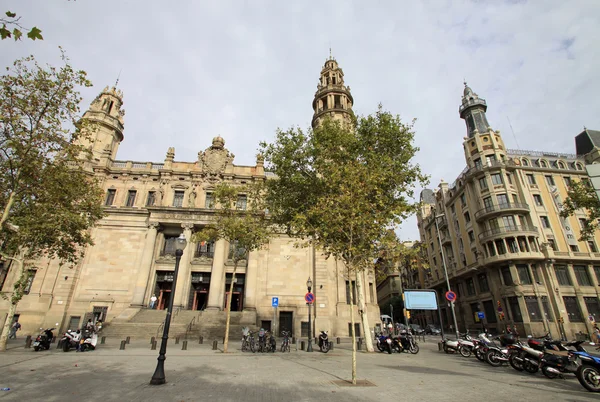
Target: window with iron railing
581,274
205,249
573,311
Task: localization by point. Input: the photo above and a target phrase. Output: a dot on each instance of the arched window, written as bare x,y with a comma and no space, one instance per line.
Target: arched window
525,162
543,163
578,166
561,165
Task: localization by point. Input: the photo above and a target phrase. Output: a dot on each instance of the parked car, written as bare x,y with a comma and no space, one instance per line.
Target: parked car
431,329
416,329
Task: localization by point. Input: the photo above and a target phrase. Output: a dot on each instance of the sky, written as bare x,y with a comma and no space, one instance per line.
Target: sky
240,69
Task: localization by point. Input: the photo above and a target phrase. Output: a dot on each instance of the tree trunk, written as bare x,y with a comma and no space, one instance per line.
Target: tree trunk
228,309
353,334
19,267
7,208
362,310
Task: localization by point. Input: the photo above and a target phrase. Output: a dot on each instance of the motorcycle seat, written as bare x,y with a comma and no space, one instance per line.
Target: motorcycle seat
557,352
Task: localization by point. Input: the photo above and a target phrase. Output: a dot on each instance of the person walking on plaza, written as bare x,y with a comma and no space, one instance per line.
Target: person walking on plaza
13,330
152,302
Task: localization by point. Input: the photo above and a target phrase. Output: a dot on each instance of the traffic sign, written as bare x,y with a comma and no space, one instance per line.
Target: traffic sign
275,302
451,296
310,298
480,315
591,318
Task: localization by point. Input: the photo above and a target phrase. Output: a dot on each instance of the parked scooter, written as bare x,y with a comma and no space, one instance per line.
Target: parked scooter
588,373
43,340
89,342
406,343
497,355
558,360
324,342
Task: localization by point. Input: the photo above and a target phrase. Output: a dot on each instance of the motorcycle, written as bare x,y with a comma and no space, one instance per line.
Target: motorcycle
43,340
69,340
497,355
89,343
406,343
528,357
557,362
384,343
324,342
588,373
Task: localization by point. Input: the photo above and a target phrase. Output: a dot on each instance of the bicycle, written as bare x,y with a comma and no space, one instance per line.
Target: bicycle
285,343
248,343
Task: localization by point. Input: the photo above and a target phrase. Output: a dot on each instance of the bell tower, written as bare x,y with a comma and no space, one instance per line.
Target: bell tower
333,98
106,114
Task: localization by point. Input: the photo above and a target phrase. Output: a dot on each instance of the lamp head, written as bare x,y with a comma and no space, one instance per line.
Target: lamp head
180,243
309,284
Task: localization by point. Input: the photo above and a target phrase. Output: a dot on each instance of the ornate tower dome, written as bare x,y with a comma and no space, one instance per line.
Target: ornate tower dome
333,97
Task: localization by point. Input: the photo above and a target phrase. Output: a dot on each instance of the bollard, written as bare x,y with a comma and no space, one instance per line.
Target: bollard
122,347
293,339
176,340
152,339
184,345
28,342
440,346
102,340
59,344
127,340
215,344
338,340
201,340
301,345
153,346
330,345
359,344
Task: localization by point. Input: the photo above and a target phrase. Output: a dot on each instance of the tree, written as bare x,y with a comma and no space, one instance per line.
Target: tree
244,227
341,187
581,195
48,201
11,20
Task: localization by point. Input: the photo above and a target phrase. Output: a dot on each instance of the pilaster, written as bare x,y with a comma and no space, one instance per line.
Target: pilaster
217,277
184,275
144,281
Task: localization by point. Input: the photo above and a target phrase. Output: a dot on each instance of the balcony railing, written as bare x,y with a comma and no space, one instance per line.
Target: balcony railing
510,206
508,230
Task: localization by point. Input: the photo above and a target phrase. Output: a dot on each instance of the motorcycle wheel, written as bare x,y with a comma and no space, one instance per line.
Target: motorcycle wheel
379,347
252,347
389,349
547,373
515,364
480,355
464,351
66,346
531,368
414,349
589,377
36,348
491,357
325,347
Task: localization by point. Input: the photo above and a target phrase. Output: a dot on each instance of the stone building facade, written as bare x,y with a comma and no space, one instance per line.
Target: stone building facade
507,251
148,205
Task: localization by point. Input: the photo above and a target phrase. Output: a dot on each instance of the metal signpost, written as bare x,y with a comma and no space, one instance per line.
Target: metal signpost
310,299
274,304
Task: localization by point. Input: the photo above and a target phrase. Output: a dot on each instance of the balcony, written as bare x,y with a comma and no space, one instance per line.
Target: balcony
513,230
442,222
494,165
497,209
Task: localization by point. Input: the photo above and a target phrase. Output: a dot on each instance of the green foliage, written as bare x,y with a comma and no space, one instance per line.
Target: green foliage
581,195
47,200
12,21
343,187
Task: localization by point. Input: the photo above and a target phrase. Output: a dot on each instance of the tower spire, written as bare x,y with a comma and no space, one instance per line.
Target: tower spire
472,110
118,76
333,98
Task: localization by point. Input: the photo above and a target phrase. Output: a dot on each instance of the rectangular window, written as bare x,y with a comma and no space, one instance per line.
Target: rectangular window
515,310
509,178
487,203
463,199
242,202
573,311
581,273
512,245
131,198
592,246
545,222
209,202
169,246
497,178
533,308
506,276
593,307
471,236
550,180
562,275
573,247
304,329
597,272
371,293
236,250
530,179
151,198
490,312
502,199
567,182
483,283
205,249
30,277
348,300
490,159
178,199
500,246
538,200
356,329
110,197
467,217
524,277
477,163
483,183
470,287
509,221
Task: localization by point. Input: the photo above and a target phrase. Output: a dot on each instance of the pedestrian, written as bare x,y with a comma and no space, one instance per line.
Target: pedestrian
153,302
89,325
77,340
596,335
13,330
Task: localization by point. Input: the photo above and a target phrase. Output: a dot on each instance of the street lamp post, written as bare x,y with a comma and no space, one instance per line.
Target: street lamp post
309,347
159,374
446,273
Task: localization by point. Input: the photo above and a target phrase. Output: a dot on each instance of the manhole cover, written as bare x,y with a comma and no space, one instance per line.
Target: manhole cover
359,383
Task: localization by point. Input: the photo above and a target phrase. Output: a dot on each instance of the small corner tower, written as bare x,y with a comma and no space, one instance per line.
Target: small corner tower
333,97
472,111
106,114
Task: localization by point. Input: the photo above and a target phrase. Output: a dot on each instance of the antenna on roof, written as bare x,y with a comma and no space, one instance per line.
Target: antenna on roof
513,133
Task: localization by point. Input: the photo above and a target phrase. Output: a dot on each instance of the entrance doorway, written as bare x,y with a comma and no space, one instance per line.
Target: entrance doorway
237,298
99,313
162,289
198,297
286,322
200,300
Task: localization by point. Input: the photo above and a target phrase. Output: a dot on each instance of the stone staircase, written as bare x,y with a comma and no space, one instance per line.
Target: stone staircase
184,323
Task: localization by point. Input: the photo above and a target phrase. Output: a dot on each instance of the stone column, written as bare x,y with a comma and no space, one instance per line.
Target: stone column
184,275
143,284
217,277
249,302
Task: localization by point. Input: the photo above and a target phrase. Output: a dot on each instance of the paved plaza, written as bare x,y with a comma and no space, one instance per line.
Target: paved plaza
199,373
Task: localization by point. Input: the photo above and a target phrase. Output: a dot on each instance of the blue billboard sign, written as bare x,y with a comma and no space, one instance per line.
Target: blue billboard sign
420,300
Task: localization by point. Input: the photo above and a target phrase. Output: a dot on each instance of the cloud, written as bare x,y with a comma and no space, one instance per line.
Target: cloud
241,69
